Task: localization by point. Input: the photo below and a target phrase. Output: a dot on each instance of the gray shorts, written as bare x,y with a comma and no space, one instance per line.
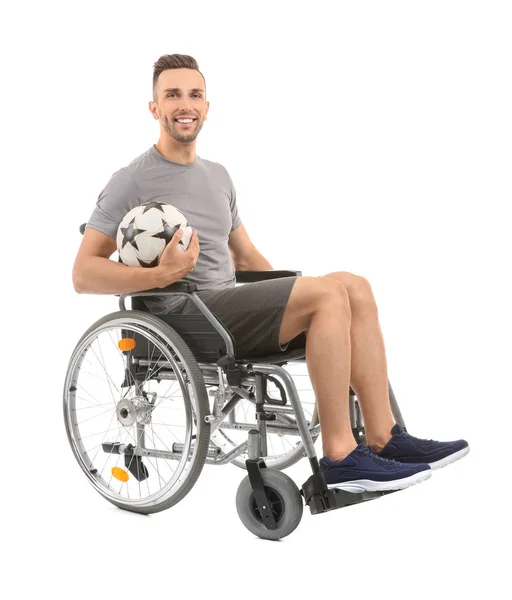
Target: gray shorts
252,313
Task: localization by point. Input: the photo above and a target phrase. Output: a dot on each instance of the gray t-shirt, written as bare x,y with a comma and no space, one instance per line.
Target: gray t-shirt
205,194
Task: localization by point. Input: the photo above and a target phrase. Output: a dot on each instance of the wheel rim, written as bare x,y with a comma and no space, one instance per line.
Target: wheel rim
136,414
276,503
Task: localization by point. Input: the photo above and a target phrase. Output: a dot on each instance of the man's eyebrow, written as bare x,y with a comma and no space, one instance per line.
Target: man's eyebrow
179,90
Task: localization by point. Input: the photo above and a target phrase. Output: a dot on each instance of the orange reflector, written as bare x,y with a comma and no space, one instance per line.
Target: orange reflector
120,474
126,344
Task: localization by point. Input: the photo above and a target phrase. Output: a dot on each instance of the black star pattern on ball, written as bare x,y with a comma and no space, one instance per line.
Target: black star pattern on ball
153,263
129,234
167,233
148,205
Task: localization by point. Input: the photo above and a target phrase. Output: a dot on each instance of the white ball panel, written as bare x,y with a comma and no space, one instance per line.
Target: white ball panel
150,221
149,247
174,216
129,256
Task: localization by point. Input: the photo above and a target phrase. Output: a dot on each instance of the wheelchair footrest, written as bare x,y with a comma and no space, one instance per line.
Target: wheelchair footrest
321,499
132,462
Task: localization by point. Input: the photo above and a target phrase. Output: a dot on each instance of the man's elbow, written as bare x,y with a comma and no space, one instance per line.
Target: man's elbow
75,277
77,287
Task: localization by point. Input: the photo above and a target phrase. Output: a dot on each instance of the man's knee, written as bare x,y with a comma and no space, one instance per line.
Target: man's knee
332,293
310,294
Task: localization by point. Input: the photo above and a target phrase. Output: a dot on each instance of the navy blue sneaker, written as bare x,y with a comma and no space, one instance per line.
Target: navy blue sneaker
364,471
406,448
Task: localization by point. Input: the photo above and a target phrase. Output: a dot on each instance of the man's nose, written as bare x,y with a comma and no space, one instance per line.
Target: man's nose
186,107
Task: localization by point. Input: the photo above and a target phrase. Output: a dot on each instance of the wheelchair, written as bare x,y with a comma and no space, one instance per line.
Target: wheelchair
140,423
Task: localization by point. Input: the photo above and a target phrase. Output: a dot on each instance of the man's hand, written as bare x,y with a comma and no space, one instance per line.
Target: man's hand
175,263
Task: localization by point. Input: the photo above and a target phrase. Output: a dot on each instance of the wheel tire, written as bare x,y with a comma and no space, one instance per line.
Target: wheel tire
286,500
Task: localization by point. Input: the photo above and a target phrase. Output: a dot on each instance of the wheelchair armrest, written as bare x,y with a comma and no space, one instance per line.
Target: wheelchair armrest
251,276
178,287
186,287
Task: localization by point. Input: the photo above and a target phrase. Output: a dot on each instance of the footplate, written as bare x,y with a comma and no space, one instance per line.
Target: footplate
321,499
132,461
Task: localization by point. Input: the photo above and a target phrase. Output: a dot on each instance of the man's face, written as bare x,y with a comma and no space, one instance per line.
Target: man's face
181,93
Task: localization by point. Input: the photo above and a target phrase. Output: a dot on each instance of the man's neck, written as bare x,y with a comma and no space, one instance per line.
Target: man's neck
184,156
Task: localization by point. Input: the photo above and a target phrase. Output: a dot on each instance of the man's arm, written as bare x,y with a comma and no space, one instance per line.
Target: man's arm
254,261
244,253
95,273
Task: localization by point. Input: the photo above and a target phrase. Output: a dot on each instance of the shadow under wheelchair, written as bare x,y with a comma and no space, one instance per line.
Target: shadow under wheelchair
148,400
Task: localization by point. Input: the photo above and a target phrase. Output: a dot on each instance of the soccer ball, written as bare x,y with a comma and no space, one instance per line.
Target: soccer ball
146,230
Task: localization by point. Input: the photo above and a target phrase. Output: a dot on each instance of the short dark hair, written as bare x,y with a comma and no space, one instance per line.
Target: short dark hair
173,61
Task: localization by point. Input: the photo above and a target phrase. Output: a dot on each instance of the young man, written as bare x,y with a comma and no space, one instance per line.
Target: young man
336,313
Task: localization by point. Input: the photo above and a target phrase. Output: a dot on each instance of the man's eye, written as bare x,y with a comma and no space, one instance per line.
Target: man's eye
172,94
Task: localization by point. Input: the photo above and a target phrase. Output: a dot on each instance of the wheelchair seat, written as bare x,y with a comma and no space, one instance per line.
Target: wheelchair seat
205,339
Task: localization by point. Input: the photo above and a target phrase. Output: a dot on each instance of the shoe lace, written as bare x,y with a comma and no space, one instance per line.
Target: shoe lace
422,441
367,451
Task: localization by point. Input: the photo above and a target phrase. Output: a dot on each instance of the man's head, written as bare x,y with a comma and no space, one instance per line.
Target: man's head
179,90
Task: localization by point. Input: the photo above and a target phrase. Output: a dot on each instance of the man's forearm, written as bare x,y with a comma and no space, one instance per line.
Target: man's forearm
98,275
254,262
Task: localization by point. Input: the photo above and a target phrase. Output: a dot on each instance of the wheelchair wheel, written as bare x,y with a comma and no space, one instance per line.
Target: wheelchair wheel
285,503
135,403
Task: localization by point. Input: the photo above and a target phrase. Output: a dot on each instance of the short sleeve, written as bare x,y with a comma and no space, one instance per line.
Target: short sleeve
235,217
117,198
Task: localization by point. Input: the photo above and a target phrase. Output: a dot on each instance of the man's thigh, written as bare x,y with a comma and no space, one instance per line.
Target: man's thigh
304,299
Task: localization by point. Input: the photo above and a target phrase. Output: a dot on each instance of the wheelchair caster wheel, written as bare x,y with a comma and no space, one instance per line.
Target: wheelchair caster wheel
284,499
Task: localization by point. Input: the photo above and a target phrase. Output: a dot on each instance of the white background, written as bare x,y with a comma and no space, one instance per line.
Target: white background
369,137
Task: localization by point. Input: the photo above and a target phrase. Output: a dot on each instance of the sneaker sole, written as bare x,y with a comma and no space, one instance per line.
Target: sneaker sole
449,459
367,485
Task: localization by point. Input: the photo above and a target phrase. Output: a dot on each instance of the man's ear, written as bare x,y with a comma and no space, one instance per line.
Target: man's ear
155,116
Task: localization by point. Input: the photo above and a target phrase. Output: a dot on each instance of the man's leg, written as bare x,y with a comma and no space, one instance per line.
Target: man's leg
338,341
368,372
342,330
322,306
